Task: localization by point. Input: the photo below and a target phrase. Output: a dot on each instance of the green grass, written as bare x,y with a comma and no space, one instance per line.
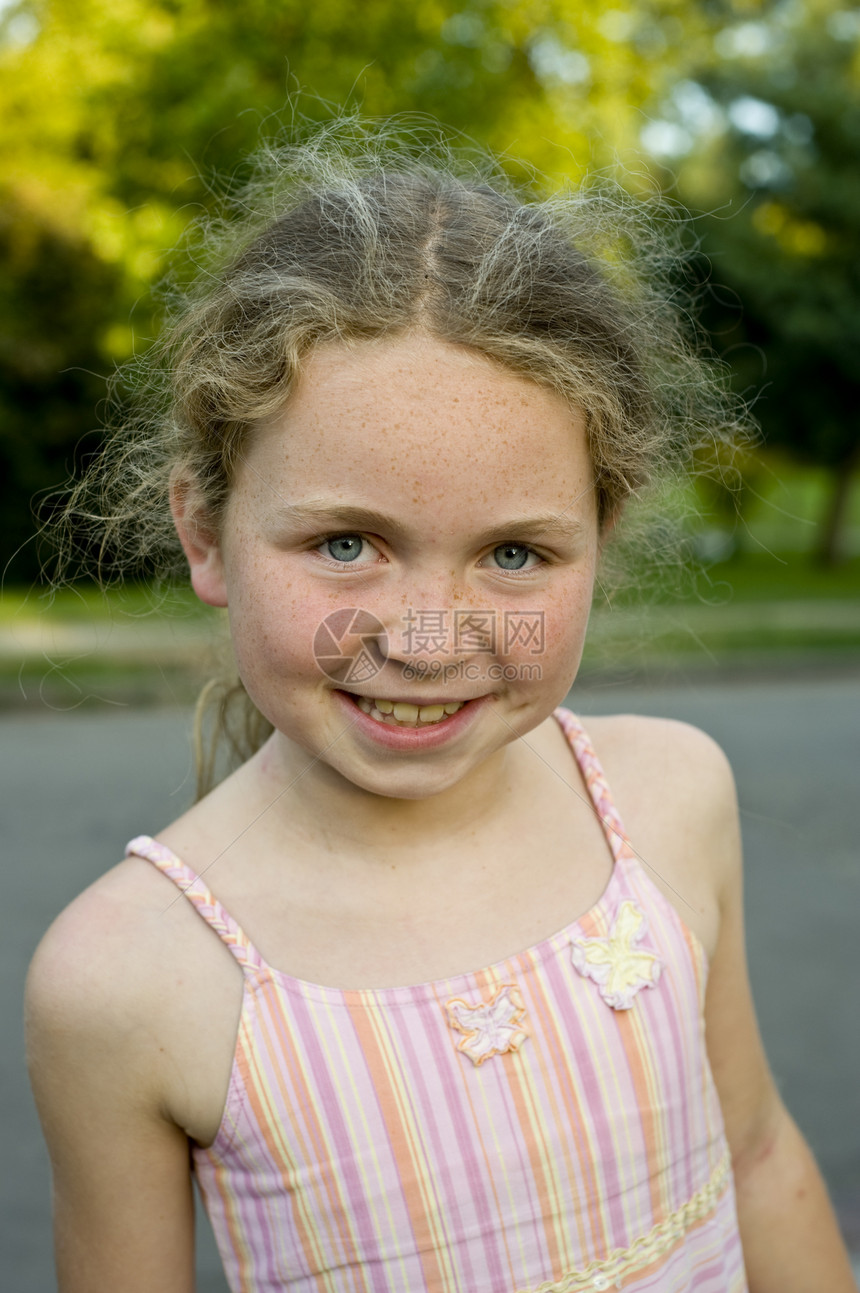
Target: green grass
703,641
765,576
84,646
73,684
86,602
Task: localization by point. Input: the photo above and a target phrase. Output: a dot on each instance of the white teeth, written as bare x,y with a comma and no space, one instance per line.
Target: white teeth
403,714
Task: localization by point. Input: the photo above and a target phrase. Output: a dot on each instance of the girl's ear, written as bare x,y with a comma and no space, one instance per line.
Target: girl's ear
607,526
199,543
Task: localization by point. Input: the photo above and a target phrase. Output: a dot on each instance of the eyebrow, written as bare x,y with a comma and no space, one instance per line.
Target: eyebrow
553,524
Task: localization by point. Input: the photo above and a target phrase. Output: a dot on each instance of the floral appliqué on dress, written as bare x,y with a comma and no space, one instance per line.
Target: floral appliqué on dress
615,963
490,1028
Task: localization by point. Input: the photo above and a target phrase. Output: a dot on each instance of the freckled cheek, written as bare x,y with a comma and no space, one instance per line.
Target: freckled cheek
564,625
273,630
268,619
564,639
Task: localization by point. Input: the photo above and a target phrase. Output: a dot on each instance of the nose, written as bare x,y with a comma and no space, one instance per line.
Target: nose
437,618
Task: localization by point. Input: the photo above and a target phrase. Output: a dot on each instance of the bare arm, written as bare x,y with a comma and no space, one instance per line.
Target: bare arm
123,1206
791,1240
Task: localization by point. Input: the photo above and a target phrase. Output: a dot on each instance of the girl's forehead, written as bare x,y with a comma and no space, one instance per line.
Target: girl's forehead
420,389
419,420
410,365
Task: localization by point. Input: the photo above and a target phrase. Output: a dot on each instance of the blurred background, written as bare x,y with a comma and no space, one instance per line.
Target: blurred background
120,120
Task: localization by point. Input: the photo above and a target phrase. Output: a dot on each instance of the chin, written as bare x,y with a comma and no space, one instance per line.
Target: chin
414,784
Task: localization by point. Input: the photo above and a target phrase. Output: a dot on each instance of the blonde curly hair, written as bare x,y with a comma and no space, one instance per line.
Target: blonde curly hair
370,231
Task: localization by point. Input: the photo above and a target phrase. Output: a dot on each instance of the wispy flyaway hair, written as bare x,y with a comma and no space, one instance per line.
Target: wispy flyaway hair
374,231
367,231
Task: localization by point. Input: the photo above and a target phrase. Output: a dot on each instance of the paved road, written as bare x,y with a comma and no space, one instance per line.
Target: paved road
77,785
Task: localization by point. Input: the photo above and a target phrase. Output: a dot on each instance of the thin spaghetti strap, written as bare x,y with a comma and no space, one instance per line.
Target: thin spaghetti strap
595,779
207,906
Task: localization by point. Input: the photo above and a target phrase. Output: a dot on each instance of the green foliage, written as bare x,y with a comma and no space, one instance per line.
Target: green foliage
56,306
778,172
790,246
120,119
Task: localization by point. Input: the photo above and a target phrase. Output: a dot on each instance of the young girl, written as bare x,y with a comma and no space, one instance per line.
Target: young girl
437,991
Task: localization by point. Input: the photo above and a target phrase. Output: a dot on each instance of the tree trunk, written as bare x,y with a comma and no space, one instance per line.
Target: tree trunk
830,548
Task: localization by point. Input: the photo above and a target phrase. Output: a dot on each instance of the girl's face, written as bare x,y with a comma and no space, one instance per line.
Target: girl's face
417,528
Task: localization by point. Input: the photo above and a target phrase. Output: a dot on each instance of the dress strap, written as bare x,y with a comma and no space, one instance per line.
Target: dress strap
595,779
207,906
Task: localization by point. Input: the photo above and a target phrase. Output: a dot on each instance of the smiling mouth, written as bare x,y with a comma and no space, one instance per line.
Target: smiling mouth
400,713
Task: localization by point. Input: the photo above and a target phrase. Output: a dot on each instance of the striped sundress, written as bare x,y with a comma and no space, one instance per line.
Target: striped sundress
544,1125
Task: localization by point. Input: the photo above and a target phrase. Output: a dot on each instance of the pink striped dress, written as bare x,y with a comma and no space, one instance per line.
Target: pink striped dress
544,1125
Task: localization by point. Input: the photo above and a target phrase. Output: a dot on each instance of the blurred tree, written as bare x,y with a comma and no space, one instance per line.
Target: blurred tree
776,163
53,310
119,117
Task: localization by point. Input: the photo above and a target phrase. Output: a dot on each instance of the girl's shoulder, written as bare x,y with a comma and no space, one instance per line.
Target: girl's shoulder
674,789
115,1057
117,978
114,937
685,760
131,934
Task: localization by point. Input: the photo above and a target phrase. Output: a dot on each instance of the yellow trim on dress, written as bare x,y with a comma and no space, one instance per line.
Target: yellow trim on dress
623,1262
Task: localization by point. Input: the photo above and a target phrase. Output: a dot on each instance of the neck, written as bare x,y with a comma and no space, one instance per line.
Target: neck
313,798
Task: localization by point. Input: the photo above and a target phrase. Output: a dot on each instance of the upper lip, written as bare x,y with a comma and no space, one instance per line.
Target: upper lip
420,701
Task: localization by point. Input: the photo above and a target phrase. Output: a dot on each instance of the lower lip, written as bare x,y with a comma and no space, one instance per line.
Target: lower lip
407,739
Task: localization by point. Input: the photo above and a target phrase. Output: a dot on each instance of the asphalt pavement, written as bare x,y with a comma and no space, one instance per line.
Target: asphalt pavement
78,784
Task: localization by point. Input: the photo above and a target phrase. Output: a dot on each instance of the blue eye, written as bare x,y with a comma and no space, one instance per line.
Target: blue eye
512,556
346,547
